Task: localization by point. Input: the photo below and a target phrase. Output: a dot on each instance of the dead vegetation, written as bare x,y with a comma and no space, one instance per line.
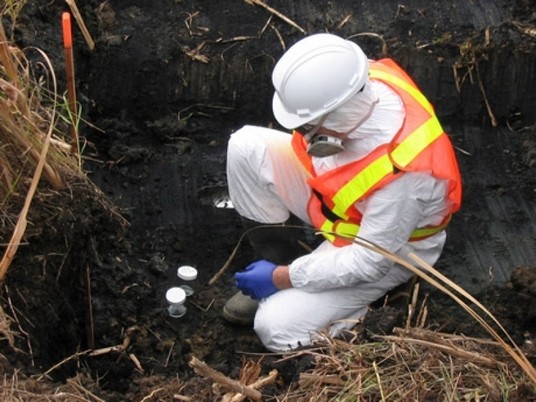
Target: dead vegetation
413,363
32,147
37,165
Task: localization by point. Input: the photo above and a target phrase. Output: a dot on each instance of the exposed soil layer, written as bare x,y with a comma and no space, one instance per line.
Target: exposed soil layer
163,89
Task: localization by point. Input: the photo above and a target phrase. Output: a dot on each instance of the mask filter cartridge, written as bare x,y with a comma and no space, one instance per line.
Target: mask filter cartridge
324,145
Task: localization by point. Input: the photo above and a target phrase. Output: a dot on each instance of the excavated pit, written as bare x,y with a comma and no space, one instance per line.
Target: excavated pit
164,88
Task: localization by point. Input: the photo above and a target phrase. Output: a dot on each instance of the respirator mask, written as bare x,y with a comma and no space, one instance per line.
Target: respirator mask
344,120
324,145
320,145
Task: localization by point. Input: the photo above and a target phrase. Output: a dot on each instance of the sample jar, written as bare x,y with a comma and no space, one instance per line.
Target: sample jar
175,297
187,274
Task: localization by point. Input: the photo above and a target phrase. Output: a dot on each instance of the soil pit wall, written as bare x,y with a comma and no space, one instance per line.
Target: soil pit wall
166,86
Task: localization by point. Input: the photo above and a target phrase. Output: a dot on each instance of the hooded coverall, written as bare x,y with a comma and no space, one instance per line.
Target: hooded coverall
333,286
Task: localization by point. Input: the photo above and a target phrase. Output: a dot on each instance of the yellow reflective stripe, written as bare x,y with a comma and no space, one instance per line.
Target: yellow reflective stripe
360,184
350,230
414,92
347,230
415,143
327,227
426,232
429,231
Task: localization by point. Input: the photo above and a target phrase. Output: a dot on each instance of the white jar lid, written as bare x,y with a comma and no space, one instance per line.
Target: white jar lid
187,273
176,295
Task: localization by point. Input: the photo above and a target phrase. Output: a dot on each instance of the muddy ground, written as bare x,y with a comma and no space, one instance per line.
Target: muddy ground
161,92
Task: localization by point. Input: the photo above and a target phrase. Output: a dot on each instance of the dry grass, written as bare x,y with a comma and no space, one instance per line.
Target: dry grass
12,9
413,364
397,369
35,162
18,388
420,364
27,122
31,145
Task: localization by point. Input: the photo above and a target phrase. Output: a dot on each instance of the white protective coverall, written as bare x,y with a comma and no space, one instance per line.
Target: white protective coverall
333,286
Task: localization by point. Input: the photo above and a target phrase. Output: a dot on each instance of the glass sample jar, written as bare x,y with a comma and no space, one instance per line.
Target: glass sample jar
176,297
187,274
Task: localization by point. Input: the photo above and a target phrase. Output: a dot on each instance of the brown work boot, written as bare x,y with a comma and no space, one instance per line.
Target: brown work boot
240,309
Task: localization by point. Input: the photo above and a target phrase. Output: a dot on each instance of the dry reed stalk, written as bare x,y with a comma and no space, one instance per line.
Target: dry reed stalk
414,364
258,384
6,333
373,35
29,151
203,369
20,227
458,294
393,369
442,345
20,122
80,21
276,13
87,395
404,368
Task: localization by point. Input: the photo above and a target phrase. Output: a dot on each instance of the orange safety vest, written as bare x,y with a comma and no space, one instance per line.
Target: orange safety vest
420,145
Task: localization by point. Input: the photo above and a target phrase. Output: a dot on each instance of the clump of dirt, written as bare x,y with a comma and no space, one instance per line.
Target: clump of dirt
162,90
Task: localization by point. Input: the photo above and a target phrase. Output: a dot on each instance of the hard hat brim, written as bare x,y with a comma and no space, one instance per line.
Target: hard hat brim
286,119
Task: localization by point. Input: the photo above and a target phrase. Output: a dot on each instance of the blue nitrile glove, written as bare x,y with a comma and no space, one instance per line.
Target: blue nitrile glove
256,280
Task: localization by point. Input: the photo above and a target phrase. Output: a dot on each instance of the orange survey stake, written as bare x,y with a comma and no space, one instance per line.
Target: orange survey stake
67,36
69,70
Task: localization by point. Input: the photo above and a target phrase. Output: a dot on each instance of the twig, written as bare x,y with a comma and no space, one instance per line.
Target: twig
117,348
148,397
136,362
275,12
227,263
16,319
169,354
374,35
204,309
332,379
450,349
378,378
182,398
61,363
89,301
494,122
81,24
279,36
525,29
261,382
203,369
84,390
344,21
68,396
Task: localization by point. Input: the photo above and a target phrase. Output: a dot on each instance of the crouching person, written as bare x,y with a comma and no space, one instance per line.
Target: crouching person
367,157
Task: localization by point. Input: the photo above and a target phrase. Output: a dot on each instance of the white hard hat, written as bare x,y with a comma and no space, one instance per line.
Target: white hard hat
315,76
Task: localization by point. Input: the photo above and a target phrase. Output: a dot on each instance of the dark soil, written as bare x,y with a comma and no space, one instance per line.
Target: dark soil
164,87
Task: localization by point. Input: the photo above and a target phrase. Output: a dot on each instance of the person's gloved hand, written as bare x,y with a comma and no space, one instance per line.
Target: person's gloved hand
256,280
